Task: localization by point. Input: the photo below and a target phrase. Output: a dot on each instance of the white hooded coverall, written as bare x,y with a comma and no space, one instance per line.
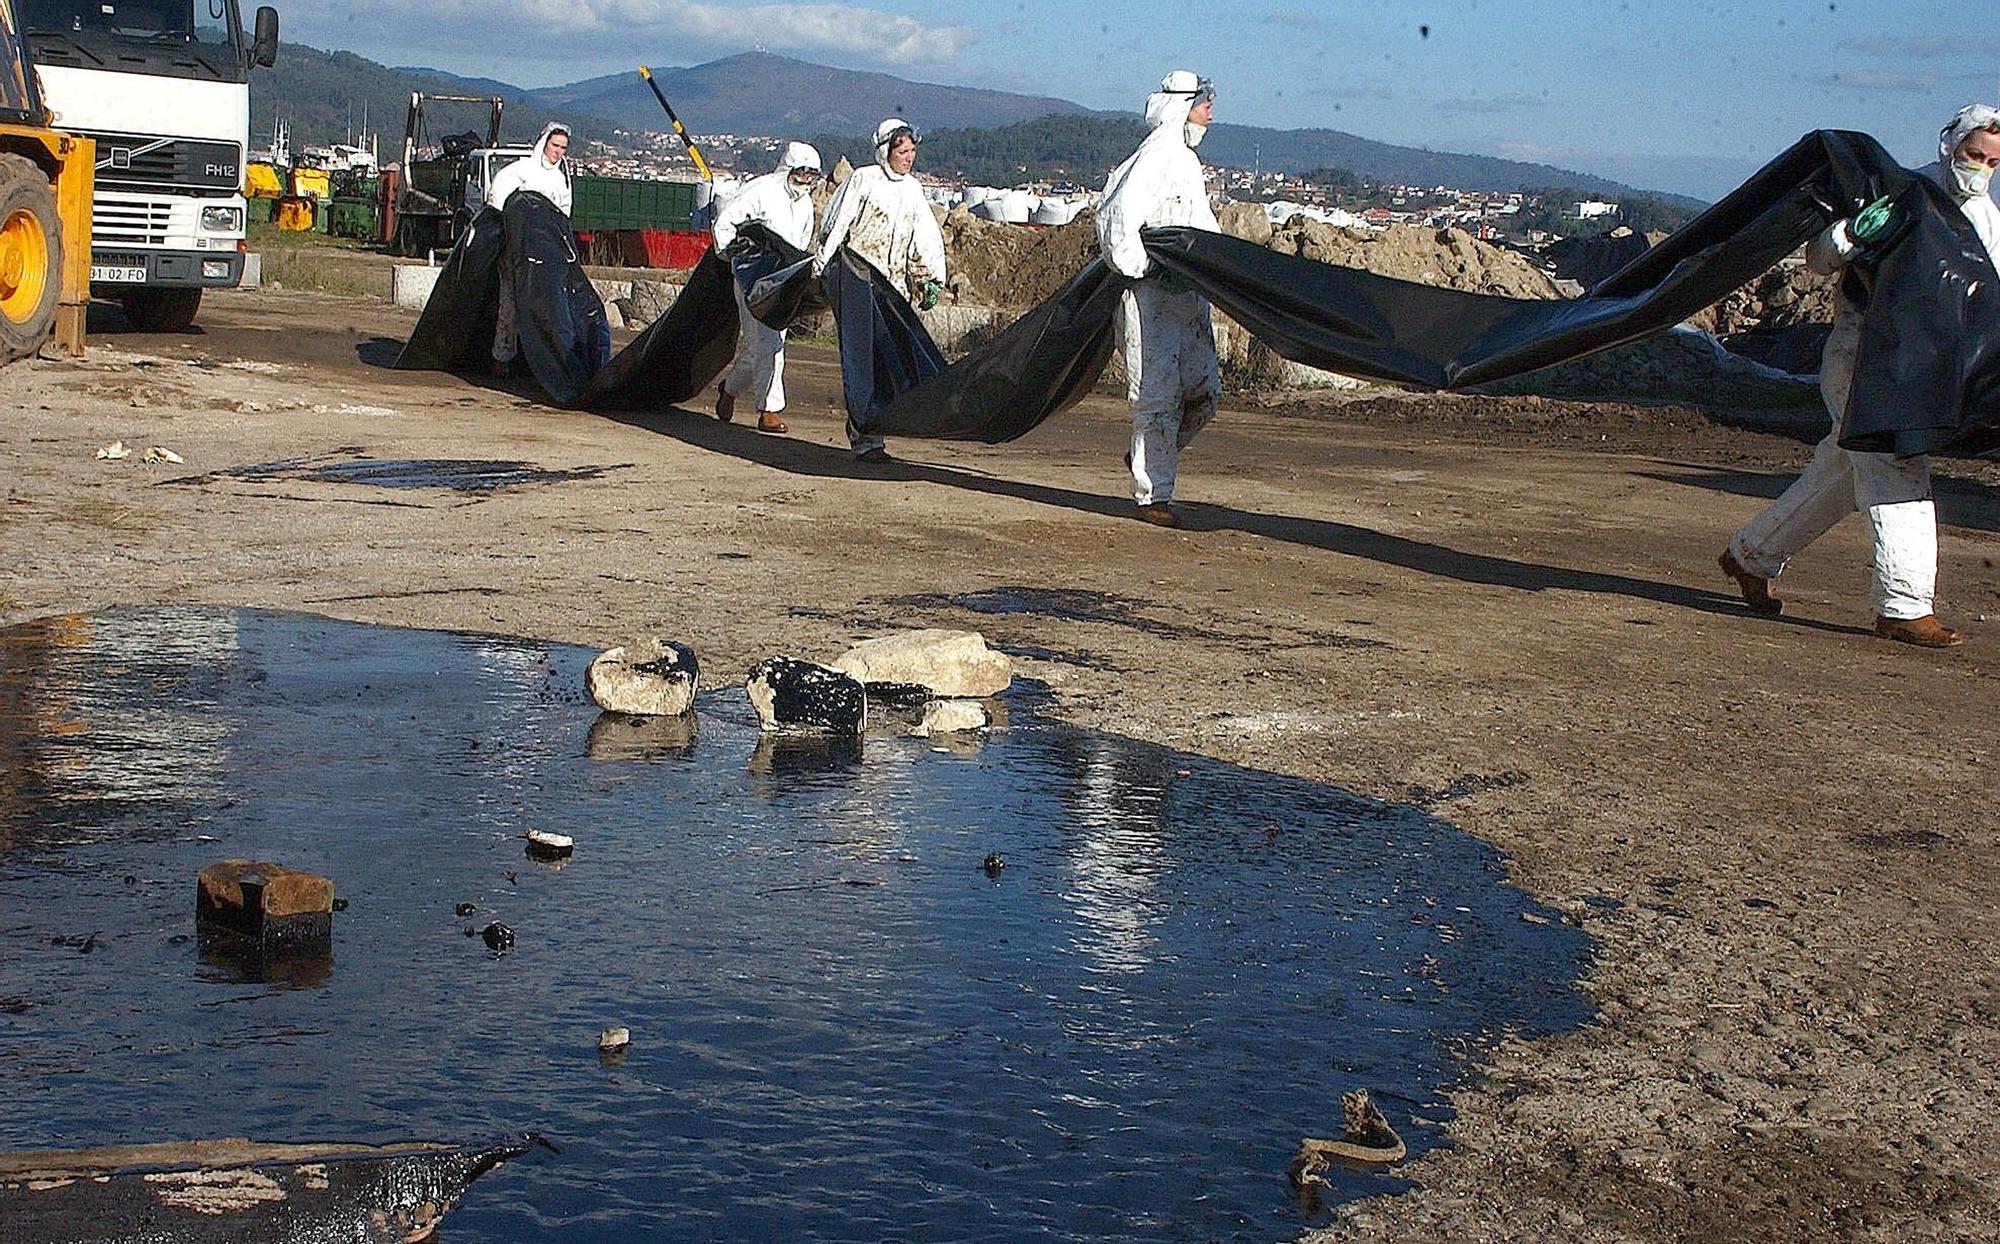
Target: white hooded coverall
1171,374
547,178
786,209
882,216
1894,494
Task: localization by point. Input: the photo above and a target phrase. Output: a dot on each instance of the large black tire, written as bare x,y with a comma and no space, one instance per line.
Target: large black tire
162,310
30,258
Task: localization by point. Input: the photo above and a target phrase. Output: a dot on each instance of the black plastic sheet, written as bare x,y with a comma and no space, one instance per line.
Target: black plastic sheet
559,322
1928,371
1928,374
885,351
1927,378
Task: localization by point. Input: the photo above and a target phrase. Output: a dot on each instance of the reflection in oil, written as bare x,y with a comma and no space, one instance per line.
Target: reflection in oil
615,736
845,1023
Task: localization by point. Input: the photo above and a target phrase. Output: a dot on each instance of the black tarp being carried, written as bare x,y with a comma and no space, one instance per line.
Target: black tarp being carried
559,322
1927,380
559,318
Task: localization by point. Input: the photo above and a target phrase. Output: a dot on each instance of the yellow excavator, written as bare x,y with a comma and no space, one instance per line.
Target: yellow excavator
45,184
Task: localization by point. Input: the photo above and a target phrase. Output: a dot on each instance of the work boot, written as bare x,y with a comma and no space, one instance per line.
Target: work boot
1756,589
1160,514
725,403
1924,632
877,456
500,369
768,421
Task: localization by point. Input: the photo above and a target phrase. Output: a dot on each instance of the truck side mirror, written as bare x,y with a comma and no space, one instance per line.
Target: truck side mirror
265,51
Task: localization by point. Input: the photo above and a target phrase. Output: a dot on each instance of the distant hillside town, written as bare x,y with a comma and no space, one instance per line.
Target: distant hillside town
1336,196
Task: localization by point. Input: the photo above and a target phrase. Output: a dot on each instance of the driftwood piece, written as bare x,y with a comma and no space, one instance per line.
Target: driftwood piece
1368,1141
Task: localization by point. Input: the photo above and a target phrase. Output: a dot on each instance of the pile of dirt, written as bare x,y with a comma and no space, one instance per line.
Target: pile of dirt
1451,258
1000,265
1787,295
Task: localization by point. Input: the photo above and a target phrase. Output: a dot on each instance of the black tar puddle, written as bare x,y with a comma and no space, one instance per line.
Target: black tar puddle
473,475
844,1025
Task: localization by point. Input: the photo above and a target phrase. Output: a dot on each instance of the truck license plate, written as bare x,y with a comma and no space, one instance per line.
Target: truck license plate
119,276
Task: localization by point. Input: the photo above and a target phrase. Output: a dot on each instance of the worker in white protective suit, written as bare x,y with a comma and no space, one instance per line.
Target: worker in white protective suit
1894,493
781,202
880,213
1171,374
543,173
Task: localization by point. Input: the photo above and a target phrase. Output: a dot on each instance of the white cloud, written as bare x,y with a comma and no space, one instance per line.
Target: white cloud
896,39
808,29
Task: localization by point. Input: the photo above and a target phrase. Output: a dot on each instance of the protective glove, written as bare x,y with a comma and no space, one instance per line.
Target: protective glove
1873,223
928,296
1877,227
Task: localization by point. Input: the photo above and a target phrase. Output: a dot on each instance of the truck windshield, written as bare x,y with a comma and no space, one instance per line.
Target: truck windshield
206,31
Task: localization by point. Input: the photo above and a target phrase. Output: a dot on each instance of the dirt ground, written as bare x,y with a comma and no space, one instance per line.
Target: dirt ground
1507,609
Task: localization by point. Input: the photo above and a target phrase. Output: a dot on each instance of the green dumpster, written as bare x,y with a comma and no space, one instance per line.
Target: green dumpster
351,218
630,203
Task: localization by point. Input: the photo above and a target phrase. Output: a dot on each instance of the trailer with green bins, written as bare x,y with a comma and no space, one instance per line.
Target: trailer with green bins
635,222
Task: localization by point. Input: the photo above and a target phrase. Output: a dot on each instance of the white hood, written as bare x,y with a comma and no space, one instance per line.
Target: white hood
542,144
1970,120
534,172
1169,106
1159,184
796,157
882,135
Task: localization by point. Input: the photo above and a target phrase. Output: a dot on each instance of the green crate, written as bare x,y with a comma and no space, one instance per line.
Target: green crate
351,218
630,203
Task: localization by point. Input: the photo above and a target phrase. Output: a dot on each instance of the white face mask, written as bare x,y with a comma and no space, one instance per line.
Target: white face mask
1193,133
1970,180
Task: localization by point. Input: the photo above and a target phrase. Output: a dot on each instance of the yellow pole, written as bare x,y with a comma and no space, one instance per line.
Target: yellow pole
680,129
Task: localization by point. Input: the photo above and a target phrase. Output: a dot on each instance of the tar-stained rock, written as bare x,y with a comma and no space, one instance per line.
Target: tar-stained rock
790,694
951,663
266,903
645,678
1248,221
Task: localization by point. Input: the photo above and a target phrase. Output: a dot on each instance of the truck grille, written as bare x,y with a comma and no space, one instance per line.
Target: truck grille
200,165
124,222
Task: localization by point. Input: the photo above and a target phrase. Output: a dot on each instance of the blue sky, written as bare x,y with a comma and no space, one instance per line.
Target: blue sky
1684,95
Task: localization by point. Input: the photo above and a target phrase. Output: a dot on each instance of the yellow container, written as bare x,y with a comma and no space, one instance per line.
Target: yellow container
311,183
295,213
261,181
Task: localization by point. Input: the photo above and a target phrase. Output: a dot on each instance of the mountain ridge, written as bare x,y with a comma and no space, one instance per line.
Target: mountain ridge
764,94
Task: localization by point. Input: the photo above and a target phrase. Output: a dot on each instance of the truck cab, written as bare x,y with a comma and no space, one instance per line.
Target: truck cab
163,88
481,167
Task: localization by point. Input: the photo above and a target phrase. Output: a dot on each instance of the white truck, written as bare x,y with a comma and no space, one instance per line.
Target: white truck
164,88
